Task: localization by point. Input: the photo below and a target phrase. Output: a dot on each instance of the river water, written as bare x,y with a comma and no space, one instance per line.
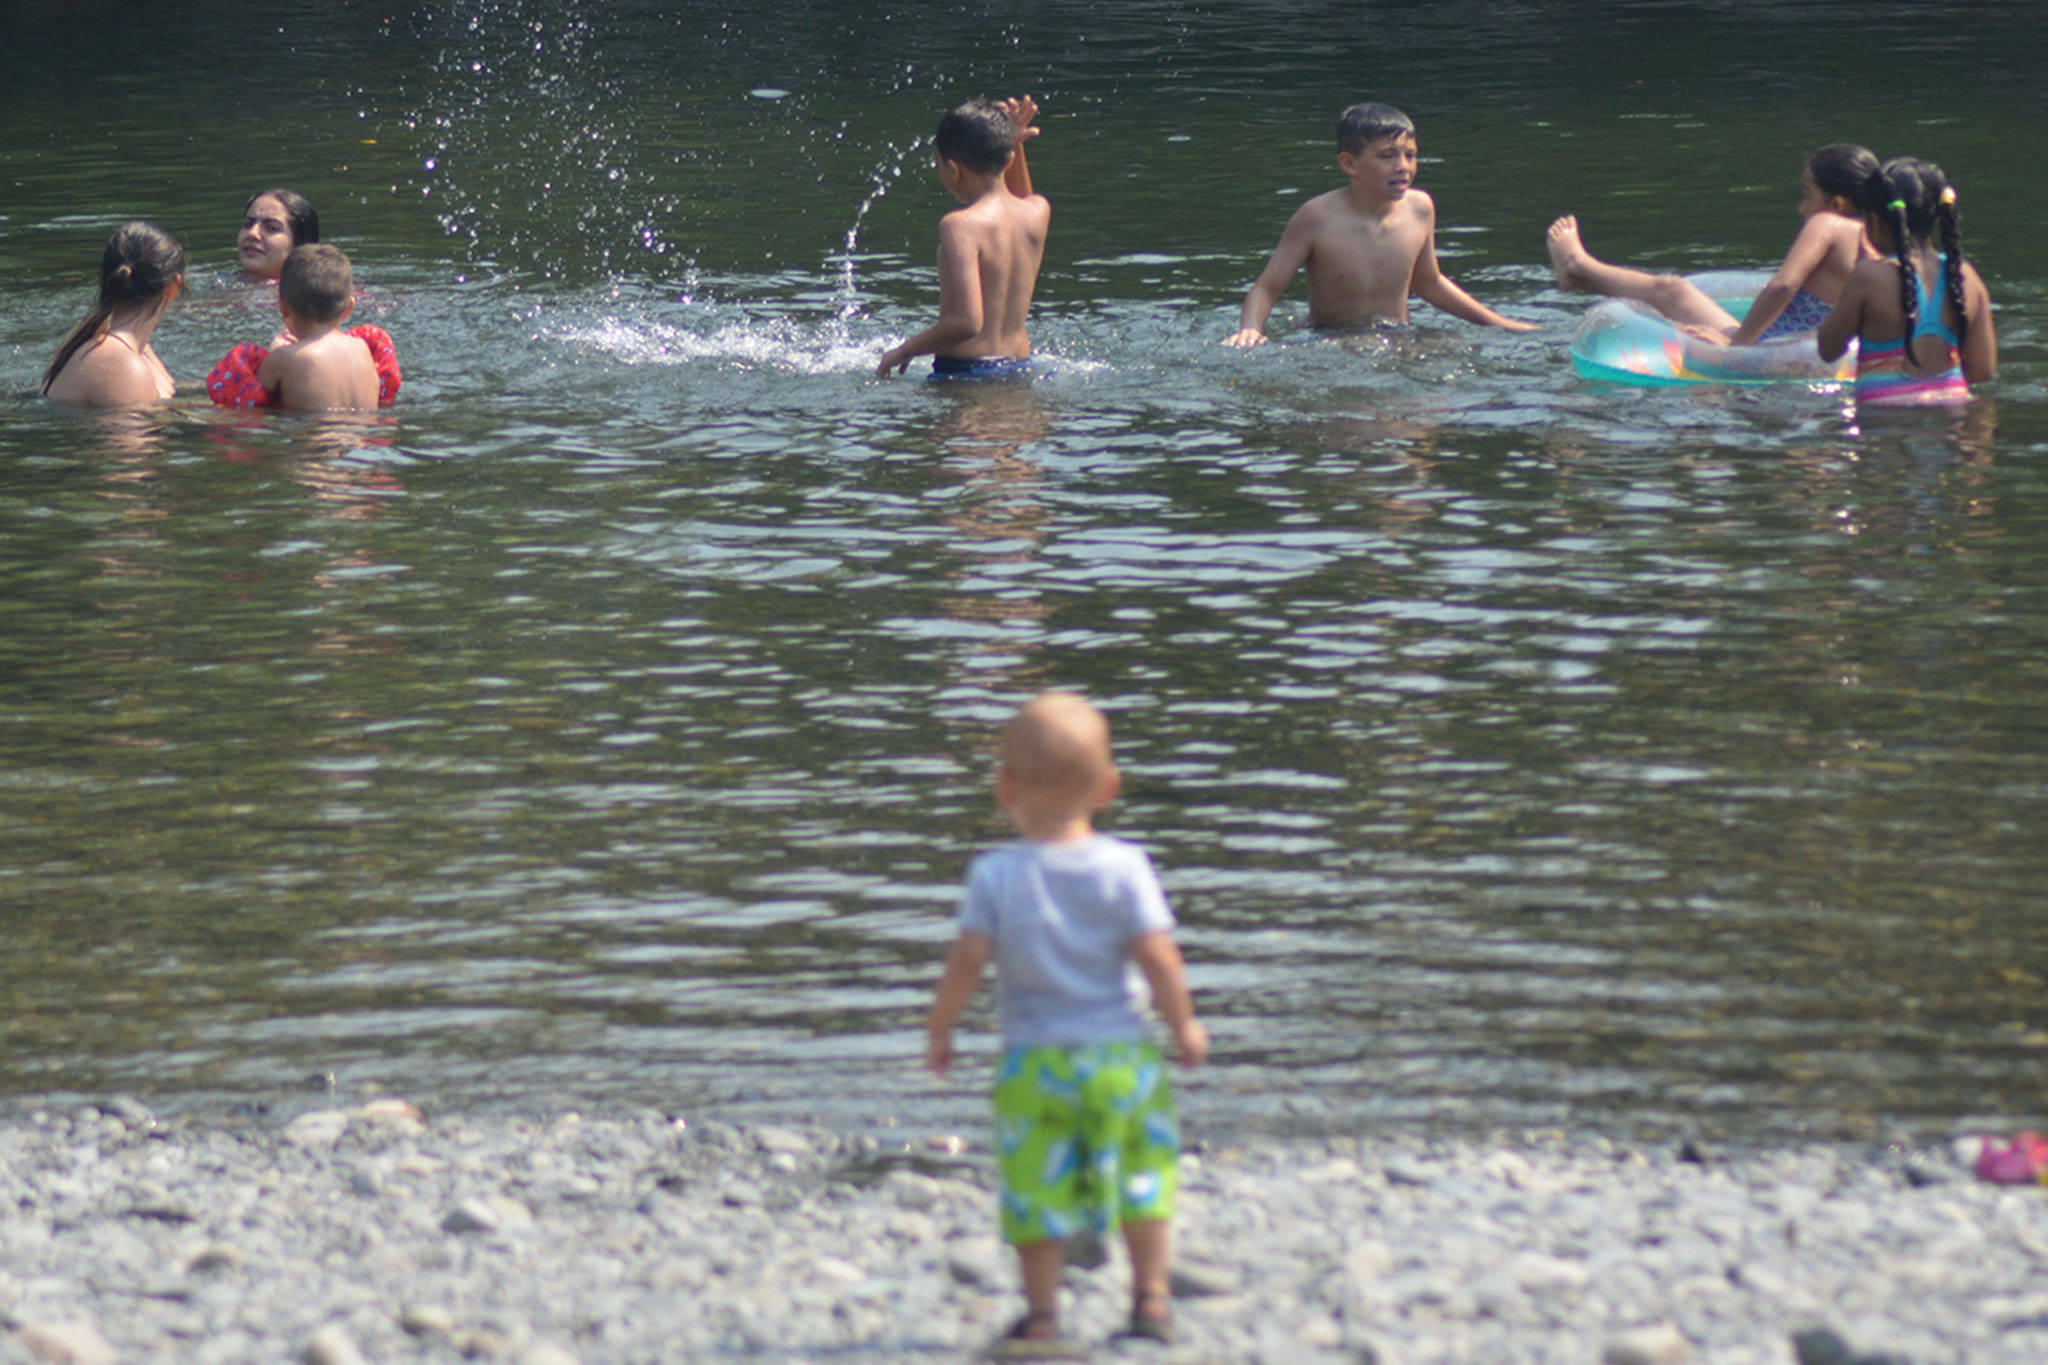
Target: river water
611,721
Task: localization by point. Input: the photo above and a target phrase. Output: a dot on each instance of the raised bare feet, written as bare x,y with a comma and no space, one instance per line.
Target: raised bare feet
1568,255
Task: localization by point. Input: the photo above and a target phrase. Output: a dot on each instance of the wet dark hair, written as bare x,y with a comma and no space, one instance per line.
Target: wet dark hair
317,282
1841,168
1914,200
299,214
977,135
141,262
1364,124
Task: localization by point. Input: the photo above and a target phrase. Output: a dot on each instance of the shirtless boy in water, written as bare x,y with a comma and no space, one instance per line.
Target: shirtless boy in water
989,249
317,366
1367,245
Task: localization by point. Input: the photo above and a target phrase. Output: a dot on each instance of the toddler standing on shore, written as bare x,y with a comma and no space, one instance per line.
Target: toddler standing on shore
1086,1134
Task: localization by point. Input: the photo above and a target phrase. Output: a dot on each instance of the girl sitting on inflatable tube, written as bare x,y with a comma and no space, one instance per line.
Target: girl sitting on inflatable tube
1922,322
1830,243
273,222
107,361
321,368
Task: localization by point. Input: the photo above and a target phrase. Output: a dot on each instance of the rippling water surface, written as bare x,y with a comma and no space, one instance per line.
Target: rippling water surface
611,720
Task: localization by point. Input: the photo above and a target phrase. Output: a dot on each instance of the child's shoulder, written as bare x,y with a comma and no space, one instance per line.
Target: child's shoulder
996,211
1835,228
1097,849
1336,206
1104,853
1418,206
1328,204
999,860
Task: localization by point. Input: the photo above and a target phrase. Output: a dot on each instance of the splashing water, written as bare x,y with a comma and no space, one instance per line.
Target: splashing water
522,150
888,170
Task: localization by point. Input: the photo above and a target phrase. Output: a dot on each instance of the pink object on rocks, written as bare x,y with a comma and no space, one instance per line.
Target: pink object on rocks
2022,1161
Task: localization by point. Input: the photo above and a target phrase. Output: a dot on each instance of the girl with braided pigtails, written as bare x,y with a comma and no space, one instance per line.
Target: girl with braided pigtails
1921,317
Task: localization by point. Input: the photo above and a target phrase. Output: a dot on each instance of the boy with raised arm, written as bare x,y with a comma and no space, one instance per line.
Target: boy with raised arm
1367,245
1077,927
318,367
989,248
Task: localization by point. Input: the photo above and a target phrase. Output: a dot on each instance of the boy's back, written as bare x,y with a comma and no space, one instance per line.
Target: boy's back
329,372
1003,236
990,248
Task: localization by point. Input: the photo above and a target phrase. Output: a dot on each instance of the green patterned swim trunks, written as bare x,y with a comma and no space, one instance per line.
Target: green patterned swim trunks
1086,1137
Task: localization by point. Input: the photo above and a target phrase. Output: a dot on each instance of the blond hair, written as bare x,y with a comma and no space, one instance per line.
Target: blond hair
1057,745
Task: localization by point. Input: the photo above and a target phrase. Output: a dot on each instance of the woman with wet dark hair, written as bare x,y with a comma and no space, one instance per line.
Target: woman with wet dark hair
273,222
107,361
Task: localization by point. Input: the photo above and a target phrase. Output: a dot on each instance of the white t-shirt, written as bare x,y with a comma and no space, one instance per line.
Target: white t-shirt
1062,918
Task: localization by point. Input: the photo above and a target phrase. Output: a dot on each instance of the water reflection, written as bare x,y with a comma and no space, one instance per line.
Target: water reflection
611,719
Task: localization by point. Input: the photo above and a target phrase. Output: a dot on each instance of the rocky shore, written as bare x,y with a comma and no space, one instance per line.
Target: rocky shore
376,1233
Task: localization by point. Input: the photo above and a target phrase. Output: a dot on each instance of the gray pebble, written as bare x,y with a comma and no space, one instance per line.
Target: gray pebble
65,1343
426,1320
911,1190
316,1130
783,1140
214,1258
976,1265
1659,1345
743,1194
490,1213
1194,1280
547,1353
643,1242
332,1345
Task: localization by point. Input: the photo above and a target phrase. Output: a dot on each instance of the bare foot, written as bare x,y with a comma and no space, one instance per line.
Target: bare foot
1568,255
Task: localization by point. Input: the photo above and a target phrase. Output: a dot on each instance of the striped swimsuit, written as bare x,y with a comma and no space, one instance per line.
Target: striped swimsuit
1882,378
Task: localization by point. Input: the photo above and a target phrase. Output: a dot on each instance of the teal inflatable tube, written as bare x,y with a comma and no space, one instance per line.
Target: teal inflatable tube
1625,342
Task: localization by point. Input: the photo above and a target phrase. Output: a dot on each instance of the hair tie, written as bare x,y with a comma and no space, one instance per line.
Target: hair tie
1948,195
1897,206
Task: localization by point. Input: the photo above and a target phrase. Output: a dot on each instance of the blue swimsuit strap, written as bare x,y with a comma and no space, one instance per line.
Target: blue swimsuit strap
1930,307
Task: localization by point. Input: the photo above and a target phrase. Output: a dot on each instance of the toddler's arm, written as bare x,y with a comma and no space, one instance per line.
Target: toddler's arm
965,962
1158,957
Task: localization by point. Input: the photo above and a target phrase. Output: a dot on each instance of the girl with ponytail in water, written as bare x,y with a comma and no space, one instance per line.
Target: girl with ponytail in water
1921,317
107,361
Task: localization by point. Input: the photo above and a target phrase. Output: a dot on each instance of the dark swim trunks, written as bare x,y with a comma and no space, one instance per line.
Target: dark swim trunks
980,367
